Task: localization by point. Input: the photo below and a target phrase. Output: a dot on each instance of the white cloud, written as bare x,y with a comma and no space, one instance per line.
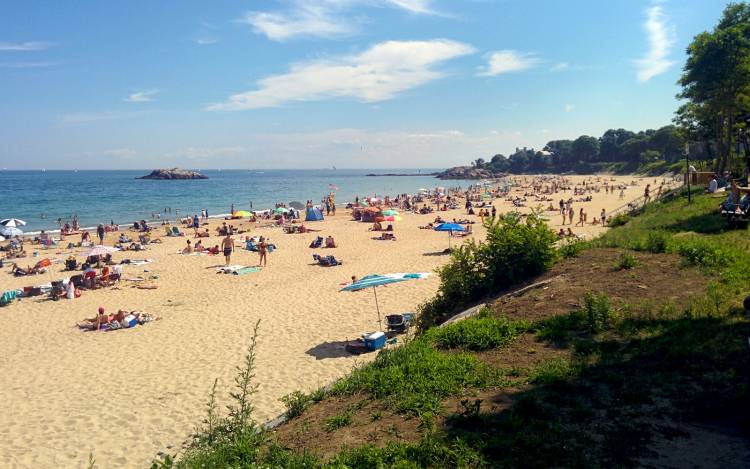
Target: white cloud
204,41
569,107
414,6
24,46
307,19
507,61
661,38
143,96
377,74
559,67
322,18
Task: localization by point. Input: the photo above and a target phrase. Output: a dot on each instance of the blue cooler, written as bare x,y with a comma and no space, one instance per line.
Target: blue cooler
375,341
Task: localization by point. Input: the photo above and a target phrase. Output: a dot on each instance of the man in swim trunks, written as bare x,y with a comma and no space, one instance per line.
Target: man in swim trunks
227,244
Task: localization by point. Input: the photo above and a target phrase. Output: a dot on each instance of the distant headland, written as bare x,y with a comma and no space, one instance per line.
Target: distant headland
174,173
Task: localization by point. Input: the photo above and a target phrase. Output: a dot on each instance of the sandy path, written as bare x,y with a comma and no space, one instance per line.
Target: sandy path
125,395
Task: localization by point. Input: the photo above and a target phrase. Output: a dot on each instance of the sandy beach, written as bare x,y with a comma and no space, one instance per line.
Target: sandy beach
125,395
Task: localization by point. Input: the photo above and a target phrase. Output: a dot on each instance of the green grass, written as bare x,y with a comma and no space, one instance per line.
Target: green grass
625,261
335,422
477,334
552,371
415,377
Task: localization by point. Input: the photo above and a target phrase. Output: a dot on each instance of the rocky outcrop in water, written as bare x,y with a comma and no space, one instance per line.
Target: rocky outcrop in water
467,172
174,173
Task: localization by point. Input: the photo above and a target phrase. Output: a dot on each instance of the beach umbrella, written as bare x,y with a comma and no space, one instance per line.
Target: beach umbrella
10,231
100,250
393,218
280,210
375,280
390,212
242,213
450,228
297,205
12,222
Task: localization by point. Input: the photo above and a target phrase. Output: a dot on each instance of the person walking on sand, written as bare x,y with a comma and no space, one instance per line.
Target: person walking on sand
227,244
571,214
100,233
647,194
262,250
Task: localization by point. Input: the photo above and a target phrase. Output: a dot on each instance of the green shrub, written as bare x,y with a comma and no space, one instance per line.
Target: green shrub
701,253
296,403
597,312
514,250
477,333
656,242
335,422
619,220
626,261
571,248
415,377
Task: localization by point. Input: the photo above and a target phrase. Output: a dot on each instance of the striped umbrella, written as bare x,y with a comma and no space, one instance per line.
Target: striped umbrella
100,250
377,280
12,222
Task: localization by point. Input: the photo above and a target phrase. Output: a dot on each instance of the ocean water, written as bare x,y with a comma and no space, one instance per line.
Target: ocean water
41,197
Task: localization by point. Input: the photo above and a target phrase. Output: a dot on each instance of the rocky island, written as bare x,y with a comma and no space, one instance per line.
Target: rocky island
468,172
174,173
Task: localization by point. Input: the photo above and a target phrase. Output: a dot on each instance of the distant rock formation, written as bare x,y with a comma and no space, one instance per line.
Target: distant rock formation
174,173
467,172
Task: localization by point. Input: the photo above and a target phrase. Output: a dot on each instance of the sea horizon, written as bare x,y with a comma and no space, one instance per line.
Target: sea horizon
104,196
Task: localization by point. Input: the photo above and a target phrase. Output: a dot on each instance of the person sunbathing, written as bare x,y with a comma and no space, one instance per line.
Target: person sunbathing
376,226
330,243
188,249
204,234
214,250
198,246
387,237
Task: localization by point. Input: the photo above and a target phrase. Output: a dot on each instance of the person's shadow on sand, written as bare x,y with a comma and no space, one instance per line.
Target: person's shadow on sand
329,350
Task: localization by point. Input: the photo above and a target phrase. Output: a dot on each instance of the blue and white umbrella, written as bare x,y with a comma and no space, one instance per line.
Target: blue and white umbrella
10,231
12,222
450,228
377,280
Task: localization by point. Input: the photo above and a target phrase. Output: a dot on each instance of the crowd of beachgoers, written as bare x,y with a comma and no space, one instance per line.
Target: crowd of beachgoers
284,265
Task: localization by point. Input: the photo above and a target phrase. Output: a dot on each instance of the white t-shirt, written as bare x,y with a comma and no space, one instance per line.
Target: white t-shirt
713,186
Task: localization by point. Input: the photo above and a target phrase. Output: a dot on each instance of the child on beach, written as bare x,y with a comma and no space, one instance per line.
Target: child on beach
262,250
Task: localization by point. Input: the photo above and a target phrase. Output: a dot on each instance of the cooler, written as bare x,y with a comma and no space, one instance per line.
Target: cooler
375,340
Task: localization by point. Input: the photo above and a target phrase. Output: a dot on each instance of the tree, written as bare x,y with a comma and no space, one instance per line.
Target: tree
478,163
716,78
586,148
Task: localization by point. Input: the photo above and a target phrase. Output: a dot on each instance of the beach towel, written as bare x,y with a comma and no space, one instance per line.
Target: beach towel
246,270
229,269
138,261
8,296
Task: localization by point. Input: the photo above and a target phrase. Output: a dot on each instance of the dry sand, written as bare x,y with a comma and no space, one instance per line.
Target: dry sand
125,395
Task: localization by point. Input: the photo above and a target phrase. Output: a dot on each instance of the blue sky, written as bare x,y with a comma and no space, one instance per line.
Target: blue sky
311,84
